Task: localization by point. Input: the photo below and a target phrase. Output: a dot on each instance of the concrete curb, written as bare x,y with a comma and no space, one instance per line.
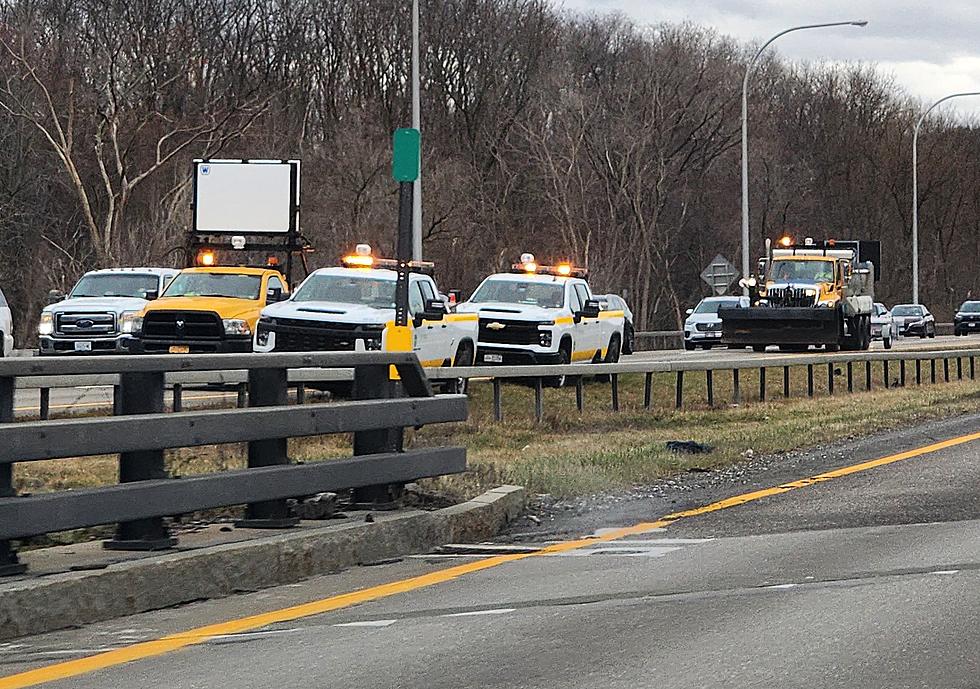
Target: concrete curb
35,606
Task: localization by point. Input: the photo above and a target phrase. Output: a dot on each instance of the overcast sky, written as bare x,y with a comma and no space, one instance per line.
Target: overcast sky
932,47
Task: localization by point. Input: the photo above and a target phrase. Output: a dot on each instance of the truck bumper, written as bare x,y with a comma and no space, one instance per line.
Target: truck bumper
238,345
760,325
503,356
53,346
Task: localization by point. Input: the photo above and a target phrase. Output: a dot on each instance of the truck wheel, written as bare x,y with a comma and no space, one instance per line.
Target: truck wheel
465,356
759,348
888,342
613,351
835,347
865,333
564,358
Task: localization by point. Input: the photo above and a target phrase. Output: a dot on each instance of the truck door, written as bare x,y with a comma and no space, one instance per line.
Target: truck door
427,336
591,337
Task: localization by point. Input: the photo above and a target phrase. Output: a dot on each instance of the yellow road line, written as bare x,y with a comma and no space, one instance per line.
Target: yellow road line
174,642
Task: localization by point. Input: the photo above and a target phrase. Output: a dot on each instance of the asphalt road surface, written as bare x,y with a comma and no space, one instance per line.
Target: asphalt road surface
88,398
867,577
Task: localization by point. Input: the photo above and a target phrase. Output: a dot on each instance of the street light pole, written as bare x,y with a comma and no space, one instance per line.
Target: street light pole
915,189
745,132
416,124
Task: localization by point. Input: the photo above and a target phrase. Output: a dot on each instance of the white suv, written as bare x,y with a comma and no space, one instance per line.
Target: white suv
6,327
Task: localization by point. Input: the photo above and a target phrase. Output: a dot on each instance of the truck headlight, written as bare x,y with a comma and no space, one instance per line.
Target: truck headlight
236,327
130,322
811,292
46,325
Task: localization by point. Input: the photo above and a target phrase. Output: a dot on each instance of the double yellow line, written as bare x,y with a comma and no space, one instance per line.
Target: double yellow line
174,642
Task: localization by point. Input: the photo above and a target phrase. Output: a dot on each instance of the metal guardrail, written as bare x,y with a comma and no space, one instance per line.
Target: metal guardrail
140,433
539,376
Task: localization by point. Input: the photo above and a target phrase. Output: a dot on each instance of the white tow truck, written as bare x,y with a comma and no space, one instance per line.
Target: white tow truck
99,313
540,314
351,307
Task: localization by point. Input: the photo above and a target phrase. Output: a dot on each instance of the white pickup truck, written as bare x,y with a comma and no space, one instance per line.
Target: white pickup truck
543,315
97,315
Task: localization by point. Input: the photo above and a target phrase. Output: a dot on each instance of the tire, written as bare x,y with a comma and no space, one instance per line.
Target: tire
613,351
865,333
465,356
706,347
564,358
689,346
629,339
835,347
923,335
932,333
3,347
887,342
759,348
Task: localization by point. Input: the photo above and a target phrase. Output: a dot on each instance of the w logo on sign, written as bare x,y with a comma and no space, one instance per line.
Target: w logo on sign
205,169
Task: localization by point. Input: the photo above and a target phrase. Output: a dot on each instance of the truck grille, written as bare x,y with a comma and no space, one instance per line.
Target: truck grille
789,296
182,325
86,324
293,335
511,332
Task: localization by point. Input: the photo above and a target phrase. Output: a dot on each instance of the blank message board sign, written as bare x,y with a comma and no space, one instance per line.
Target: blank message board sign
253,197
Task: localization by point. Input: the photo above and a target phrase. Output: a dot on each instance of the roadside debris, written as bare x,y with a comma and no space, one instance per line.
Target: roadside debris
689,447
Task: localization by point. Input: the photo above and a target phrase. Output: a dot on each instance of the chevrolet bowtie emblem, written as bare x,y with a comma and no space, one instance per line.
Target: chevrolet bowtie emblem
180,324
496,326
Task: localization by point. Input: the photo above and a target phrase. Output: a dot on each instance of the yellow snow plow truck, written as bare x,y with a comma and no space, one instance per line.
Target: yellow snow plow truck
814,293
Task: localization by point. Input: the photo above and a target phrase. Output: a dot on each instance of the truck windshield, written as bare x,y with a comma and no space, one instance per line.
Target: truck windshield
545,294
788,270
229,285
115,285
347,289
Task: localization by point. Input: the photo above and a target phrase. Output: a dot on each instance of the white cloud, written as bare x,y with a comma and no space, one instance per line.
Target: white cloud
930,48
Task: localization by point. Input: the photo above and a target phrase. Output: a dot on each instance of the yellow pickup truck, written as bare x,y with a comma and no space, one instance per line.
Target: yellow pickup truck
208,309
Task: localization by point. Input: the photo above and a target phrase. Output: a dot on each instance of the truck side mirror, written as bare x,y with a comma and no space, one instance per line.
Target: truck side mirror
55,295
151,294
273,295
689,312
590,309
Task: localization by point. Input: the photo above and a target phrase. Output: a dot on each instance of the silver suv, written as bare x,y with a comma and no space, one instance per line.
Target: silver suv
6,327
97,315
703,325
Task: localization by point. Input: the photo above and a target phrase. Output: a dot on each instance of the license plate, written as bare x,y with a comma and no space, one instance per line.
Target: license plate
714,334
493,358
83,346
180,349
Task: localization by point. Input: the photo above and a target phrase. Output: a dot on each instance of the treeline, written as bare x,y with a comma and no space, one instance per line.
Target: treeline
583,138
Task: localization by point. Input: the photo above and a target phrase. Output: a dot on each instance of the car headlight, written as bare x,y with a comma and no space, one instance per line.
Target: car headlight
128,321
236,326
46,325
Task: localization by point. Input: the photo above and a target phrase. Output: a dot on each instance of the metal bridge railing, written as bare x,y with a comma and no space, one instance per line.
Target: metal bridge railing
141,432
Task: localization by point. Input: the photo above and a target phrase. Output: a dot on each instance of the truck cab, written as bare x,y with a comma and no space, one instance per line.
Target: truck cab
209,309
543,315
351,307
98,315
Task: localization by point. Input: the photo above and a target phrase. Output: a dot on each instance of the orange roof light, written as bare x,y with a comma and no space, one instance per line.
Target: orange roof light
206,258
564,269
786,241
361,258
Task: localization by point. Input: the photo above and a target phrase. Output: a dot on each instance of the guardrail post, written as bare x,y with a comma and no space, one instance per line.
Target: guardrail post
762,383
267,387
44,404
374,382
679,391
614,383
932,371
830,378
538,400
809,380
648,390
10,565
736,391
178,397
867,375
786,381
498,407
901,372
300,393
959,368
850,377
885,374
918,372
710,385
973,369
117,400
141,393
242,400
579,394
945,369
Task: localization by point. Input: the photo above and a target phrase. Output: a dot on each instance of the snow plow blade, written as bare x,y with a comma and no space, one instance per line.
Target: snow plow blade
761,325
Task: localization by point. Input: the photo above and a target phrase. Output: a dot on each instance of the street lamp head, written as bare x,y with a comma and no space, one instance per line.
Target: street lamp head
863,22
